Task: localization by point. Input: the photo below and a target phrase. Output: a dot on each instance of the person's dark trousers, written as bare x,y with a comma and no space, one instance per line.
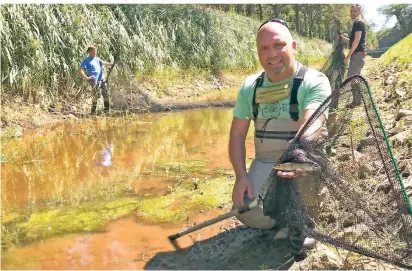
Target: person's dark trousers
93,111
106,106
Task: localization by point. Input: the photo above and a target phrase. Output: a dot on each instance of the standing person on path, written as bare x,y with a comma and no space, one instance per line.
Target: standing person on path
357,52
279,101
93,66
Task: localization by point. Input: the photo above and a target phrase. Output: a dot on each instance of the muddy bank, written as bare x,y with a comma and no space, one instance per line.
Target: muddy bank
236,248
160,106
30,116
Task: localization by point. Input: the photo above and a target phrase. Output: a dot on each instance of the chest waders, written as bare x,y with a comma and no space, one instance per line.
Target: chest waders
271,138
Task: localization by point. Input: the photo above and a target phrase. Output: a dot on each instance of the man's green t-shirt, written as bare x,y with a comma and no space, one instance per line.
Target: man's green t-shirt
315,88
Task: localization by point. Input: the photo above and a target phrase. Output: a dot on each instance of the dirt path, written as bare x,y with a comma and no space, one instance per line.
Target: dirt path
239,248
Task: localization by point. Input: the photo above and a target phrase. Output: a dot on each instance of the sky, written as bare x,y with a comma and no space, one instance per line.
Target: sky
371,14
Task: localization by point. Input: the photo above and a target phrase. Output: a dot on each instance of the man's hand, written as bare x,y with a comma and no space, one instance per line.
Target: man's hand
343,38
346,61
83,74
241,186
107,64
291,174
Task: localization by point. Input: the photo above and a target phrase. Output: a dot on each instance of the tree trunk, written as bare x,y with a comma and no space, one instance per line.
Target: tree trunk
297,19
305,20
277,9
250,10
239,9
260,12
311,20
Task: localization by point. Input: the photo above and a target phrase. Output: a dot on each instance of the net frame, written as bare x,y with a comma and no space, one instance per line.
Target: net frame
295,215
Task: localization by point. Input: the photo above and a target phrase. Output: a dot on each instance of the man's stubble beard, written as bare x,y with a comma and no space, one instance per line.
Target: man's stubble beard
278,71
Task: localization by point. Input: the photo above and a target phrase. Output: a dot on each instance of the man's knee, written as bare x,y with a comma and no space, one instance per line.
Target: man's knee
255,218
353,70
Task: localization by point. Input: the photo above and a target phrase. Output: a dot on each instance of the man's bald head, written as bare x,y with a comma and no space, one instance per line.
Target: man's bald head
276,49
274,27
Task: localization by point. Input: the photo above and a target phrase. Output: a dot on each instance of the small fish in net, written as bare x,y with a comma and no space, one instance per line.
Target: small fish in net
356,200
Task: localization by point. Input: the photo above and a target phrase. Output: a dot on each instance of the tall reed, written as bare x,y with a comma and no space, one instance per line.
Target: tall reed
42,45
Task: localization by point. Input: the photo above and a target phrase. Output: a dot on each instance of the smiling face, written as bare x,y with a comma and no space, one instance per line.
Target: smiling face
276,49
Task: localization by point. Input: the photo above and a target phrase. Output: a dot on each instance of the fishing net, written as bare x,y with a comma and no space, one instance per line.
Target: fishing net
334,69
355,199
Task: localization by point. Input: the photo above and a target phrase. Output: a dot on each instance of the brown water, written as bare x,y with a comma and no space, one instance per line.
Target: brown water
66,164
124,244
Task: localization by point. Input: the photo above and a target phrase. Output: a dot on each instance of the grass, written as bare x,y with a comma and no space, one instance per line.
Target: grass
399,53
312,52
397,63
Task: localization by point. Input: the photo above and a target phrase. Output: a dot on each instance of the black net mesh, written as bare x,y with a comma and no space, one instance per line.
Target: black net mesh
334,69
353,199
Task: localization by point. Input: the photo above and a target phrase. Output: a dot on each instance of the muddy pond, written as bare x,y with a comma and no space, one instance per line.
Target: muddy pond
106,193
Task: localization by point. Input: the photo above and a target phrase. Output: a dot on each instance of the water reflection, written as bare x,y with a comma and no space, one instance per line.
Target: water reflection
104,157
67,162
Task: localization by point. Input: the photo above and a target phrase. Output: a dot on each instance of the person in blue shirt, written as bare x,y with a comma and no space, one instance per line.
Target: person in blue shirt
94,67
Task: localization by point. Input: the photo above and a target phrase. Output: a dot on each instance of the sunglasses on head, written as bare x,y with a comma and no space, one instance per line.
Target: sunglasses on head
357,6
275,20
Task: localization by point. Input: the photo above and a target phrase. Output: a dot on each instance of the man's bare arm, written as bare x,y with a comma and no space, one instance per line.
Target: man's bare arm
237,148
356,40
237,153
85,77
107,64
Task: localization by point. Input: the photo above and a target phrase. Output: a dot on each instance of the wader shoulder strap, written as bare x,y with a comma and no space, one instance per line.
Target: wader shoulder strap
255,106
293,104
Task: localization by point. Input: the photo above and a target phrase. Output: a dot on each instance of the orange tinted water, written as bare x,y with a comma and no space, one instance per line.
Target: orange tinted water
50,164
125,244
64,164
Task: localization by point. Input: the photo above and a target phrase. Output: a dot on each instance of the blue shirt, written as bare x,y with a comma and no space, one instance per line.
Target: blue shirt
93,65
